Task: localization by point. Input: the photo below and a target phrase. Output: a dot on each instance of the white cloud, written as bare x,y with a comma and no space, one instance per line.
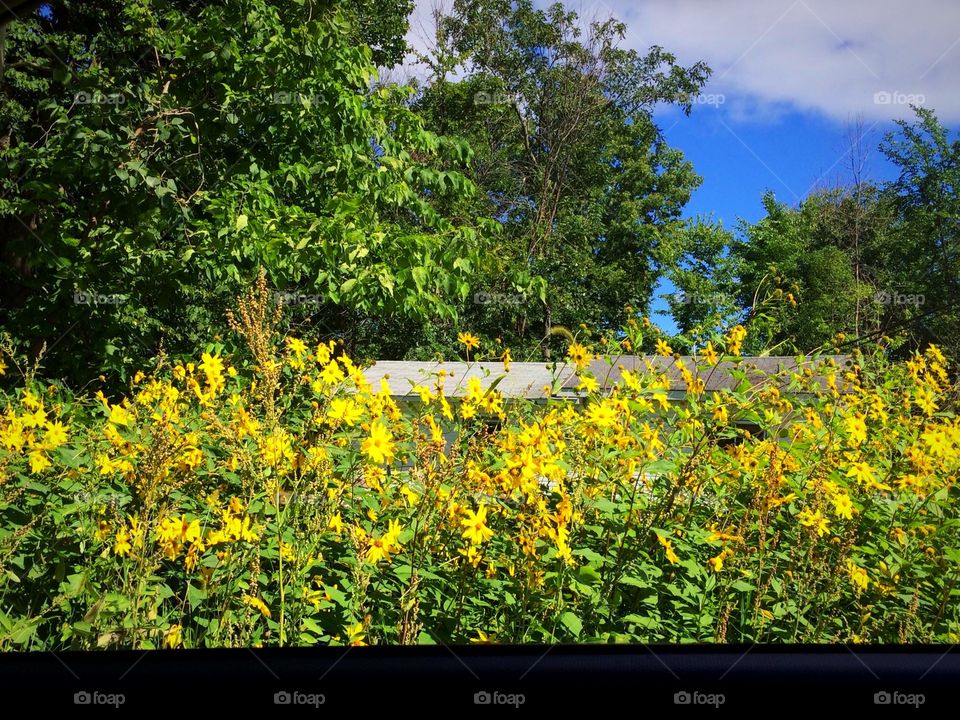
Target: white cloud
827,56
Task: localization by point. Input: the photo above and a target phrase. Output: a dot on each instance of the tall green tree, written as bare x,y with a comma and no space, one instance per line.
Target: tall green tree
925,258
866,260
568,158
155,154
705,278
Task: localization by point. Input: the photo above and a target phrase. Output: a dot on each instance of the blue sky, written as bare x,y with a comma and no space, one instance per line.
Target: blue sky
791,155
789,79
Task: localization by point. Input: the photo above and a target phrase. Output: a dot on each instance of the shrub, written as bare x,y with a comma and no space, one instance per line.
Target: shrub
276,498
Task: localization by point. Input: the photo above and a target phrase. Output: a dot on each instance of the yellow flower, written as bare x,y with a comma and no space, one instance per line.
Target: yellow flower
716,563
814,520
38,461
119,415
122,545
602,414
355,635
580,355
331,374
710,355
379,445
720,414
668,547
858,576
336,523
863,472
382,547
36,419
482,638
588,383
236,529
212,367
173,637
468,340
663,348
257,604
296,346
324,352
843,507
735,338
856,430
476,530
55,435
409,495
343,410
507,359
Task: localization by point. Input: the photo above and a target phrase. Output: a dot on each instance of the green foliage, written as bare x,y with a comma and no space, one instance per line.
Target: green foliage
925,255
705,275
157,154
238,502
568,158
859,262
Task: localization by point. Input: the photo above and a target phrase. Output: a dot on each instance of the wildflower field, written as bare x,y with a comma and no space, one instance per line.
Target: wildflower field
271,497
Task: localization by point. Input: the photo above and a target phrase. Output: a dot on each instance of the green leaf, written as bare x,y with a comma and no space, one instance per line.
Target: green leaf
572,623
588,574
195,596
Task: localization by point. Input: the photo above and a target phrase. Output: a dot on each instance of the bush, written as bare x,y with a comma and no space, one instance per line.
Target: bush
274,498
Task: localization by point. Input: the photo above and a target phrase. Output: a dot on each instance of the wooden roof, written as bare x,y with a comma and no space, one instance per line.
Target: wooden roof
529,379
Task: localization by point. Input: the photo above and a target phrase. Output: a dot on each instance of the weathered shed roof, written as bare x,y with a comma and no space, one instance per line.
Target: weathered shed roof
758,369
525,379
528,379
